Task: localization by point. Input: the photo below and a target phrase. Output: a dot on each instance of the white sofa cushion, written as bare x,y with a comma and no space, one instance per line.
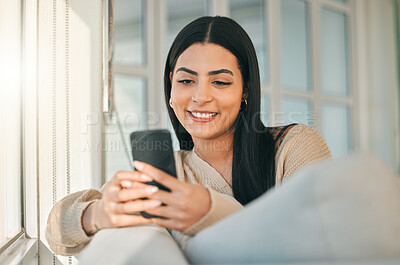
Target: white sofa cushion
341,210
144,244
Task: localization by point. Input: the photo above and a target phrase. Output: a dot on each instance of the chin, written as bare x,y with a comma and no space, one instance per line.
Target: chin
201,133
206,133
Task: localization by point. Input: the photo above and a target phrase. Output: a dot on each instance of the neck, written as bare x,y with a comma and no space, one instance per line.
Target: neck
216,149
218,153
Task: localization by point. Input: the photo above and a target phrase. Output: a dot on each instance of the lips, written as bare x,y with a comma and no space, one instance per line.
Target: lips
202,116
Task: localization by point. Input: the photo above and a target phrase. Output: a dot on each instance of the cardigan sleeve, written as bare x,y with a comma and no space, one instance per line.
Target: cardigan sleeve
64,231
301,147
222,205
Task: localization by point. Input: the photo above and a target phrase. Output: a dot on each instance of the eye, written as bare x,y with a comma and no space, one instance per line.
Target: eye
220,83
186,81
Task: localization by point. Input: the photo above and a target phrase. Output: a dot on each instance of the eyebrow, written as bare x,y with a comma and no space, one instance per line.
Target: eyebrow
221,71
184,69
216,72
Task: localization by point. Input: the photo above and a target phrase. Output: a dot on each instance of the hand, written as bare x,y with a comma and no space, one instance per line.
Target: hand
185,204
121,203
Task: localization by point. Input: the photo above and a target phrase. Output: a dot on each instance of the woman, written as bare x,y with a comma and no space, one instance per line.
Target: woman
227,159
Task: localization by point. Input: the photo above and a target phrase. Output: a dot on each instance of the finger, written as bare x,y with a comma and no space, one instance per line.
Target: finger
158,175
169,223
164,211
138,191
130,220
129,176
135,206
113,192
166,197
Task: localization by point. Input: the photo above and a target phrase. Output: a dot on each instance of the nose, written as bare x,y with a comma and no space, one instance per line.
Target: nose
202,93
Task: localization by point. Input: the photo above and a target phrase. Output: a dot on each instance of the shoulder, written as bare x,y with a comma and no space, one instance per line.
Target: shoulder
302,135
279,133
301,146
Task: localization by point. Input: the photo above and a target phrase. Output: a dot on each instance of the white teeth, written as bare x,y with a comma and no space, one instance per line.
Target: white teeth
203,115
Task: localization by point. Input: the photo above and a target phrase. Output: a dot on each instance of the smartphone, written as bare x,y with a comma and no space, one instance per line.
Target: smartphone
154,147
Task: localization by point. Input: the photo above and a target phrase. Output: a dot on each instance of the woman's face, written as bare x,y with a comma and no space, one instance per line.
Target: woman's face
207,90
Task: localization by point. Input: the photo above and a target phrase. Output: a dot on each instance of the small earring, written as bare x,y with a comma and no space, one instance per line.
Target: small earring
245,105
170,103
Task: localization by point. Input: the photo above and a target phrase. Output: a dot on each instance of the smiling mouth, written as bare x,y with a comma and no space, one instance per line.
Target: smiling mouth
202,116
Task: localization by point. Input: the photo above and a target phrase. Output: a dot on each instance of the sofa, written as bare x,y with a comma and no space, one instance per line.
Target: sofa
342,211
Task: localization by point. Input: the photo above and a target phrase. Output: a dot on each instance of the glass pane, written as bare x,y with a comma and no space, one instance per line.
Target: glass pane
296,111
10,121
336,128
334,53
265,109
295,50
129,37
130,103
181,13
251,16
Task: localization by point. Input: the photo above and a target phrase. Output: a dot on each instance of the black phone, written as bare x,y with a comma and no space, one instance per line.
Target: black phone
154,147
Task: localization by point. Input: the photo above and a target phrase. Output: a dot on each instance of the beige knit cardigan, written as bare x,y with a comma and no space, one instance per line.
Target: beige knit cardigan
301,146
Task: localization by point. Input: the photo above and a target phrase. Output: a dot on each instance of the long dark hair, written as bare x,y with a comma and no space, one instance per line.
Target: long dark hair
253,167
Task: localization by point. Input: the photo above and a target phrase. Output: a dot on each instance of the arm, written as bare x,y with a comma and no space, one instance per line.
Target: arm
65,233
76,218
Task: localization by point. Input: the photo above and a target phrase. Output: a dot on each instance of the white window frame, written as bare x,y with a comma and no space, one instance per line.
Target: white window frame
24,247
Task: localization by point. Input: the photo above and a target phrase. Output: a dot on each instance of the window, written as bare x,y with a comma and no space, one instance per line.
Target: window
337,102
10,124
305,78
180,13
304,50
251,16
315,69
130,104
129,35
130,64
304,66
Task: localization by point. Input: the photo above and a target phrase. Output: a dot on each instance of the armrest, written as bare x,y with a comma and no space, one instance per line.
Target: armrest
144,244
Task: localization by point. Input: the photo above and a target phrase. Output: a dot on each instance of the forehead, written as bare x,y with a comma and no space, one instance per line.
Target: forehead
210,56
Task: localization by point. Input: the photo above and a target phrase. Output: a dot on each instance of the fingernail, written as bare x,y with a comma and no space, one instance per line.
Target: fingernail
155,203
151,189
137,164
145,177
126,183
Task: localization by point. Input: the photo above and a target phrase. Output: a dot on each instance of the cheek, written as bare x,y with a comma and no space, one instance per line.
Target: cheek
230,101
180,97
230,105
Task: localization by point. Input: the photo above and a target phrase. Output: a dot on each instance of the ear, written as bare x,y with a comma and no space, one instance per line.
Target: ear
245,92
170,76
